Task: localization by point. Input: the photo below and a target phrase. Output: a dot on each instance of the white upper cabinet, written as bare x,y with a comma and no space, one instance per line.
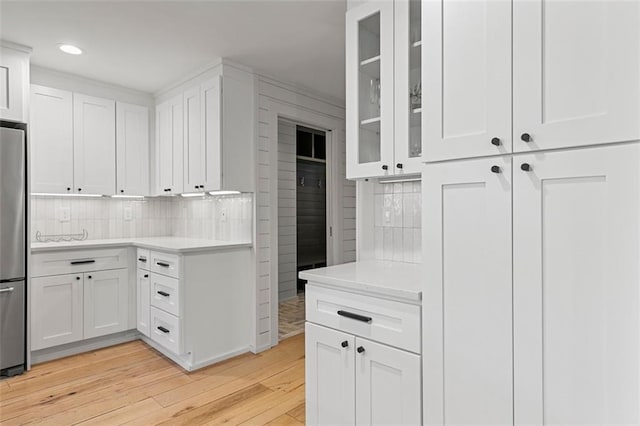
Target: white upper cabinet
576,71
51,139
14,82
467,306
169,146
370,89
576,287
211,100
205,135
467,78
132,149
408,86
194,147
94,138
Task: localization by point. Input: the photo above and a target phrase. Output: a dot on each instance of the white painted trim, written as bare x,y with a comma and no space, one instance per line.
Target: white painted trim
314,119
82,346
16,46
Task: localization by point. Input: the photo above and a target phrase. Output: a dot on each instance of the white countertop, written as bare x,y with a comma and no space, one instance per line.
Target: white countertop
170,244
384,278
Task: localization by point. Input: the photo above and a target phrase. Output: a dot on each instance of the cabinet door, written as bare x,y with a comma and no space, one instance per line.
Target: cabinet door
194,149
56,310
329,376
577,287
408,87
388,385
169,147
466,319
51,138
14,84
576,71
211,98
132,143
94,145
143,301
106,302
369,82
467,78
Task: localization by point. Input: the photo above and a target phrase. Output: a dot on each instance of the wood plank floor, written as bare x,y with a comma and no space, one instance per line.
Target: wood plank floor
133,384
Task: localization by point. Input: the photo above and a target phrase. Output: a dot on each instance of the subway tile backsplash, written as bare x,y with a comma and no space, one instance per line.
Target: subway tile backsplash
397,222
226,218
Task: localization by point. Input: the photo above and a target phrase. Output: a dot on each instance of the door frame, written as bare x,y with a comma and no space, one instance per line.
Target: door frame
332,127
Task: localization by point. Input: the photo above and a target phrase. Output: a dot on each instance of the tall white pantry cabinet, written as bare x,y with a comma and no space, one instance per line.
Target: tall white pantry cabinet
531,236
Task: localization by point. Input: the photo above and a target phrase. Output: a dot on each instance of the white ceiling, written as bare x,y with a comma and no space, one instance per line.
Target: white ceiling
147,45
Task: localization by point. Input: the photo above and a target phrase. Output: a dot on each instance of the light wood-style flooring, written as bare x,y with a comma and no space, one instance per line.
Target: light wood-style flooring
133,384
291,316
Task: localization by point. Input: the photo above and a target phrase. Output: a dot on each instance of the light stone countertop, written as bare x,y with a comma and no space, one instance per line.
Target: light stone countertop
167,244
398,280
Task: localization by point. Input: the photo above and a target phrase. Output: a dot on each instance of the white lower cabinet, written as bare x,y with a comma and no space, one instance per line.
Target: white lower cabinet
354,380
106,302
142,303
74,298
56,310
557,342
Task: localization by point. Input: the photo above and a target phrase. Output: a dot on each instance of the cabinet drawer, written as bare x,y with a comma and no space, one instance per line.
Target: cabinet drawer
143,259
165,264
165,293
385,321
165,330
78,261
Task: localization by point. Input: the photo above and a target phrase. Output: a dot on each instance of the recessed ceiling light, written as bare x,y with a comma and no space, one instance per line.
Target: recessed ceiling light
70,49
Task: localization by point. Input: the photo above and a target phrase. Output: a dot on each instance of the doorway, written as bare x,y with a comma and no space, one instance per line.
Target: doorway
302,217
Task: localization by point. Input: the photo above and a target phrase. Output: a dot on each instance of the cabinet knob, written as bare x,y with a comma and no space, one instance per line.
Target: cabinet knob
68,188
122,191
146,275
79,189
77,278
399,165
360,349
495,169
526,137
344,344
385,167
201,186
196,187
89,276
525,167
496,142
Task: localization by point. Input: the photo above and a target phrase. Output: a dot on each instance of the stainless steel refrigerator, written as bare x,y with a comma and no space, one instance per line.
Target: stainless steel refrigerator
13,247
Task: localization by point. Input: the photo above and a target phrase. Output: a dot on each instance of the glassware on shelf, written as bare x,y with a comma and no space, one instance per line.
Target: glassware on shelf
374,91
415,95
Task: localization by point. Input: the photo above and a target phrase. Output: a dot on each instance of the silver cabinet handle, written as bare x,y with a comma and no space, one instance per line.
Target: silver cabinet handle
7,290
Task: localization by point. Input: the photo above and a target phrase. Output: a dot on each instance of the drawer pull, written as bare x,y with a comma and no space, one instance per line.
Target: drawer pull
355,316
146,275
164,330
166,265
163,293
82,262
142,259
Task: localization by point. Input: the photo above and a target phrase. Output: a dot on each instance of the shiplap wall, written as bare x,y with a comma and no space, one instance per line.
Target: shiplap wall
279,100
287,249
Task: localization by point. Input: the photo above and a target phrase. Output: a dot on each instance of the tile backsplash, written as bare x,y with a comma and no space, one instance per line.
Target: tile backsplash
223,218
397,221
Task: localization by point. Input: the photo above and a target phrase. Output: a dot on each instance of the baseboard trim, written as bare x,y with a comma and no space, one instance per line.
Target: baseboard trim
75,348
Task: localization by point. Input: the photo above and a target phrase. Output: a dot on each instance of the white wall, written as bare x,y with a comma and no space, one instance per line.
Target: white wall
287,237
277,100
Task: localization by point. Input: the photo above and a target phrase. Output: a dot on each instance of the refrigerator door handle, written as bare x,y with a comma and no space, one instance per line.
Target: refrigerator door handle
7,290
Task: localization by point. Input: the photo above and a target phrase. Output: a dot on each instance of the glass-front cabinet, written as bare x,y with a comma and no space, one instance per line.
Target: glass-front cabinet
370,89
383,88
